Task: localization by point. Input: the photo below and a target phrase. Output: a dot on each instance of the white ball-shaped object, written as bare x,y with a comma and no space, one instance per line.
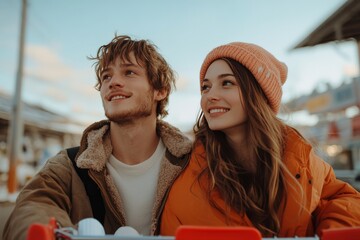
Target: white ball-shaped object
90,227
126,231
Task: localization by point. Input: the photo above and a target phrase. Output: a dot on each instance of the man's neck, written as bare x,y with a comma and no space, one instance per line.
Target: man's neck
134,142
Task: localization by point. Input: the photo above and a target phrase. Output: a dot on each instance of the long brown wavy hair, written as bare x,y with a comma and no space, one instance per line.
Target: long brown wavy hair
258,194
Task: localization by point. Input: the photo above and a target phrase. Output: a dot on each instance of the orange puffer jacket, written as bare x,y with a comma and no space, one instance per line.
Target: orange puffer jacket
327,202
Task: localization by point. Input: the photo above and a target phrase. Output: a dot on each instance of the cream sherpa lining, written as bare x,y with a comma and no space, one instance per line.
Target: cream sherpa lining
98,150
115,197
96,145
177,143
167,171
99,147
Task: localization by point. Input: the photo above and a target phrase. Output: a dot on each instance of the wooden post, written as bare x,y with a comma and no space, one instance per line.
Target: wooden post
16,128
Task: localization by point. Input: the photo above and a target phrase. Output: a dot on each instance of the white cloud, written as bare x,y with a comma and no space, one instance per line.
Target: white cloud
182,83
51,82
56,94
45,65
351,70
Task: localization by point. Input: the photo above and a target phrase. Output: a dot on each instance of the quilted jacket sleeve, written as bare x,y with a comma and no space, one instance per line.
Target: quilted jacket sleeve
339,204
48,194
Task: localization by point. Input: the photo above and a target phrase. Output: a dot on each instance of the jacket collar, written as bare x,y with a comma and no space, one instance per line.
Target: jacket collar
95,147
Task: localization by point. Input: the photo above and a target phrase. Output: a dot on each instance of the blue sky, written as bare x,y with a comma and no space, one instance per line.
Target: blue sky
62,34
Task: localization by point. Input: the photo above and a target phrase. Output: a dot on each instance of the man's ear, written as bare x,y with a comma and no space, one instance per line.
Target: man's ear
160,94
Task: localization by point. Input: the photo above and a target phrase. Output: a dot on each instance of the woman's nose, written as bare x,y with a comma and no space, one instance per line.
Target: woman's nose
213,95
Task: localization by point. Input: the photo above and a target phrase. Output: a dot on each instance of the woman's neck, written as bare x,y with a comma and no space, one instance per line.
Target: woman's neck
243,152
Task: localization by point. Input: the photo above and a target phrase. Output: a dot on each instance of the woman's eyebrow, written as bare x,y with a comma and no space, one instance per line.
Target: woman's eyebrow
226,75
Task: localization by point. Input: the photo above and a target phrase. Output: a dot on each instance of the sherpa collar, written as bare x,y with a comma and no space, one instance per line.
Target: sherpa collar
95,147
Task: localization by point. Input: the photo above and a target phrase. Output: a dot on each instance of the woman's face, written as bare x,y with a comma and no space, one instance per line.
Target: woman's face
221,99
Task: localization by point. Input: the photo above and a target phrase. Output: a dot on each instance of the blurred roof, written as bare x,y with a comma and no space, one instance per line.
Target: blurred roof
343,24
38,116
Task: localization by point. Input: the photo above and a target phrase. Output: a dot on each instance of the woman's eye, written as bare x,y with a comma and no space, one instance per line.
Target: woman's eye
204,88
228,83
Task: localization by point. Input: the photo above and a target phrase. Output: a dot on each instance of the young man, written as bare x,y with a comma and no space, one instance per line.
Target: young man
133,157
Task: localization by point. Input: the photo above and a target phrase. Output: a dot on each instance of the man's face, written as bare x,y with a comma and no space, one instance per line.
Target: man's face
126,92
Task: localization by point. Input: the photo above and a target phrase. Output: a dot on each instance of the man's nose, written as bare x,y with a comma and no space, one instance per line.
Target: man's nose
117,80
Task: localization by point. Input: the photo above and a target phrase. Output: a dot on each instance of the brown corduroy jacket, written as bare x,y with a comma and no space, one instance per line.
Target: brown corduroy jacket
57,191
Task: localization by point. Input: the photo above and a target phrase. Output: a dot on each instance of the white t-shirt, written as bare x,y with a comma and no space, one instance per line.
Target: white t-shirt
137,185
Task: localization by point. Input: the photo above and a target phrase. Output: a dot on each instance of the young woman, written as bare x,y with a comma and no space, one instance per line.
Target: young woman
248,168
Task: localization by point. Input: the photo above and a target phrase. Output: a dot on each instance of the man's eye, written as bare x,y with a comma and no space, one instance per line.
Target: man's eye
105,77
129,72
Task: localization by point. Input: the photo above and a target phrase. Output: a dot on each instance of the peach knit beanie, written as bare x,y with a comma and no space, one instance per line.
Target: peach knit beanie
268,71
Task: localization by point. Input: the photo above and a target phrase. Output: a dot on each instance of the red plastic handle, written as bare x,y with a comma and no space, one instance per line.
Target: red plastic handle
216,233
38,231
348,233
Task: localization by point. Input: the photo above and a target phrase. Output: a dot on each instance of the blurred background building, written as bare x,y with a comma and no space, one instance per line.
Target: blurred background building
337,131
45,133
